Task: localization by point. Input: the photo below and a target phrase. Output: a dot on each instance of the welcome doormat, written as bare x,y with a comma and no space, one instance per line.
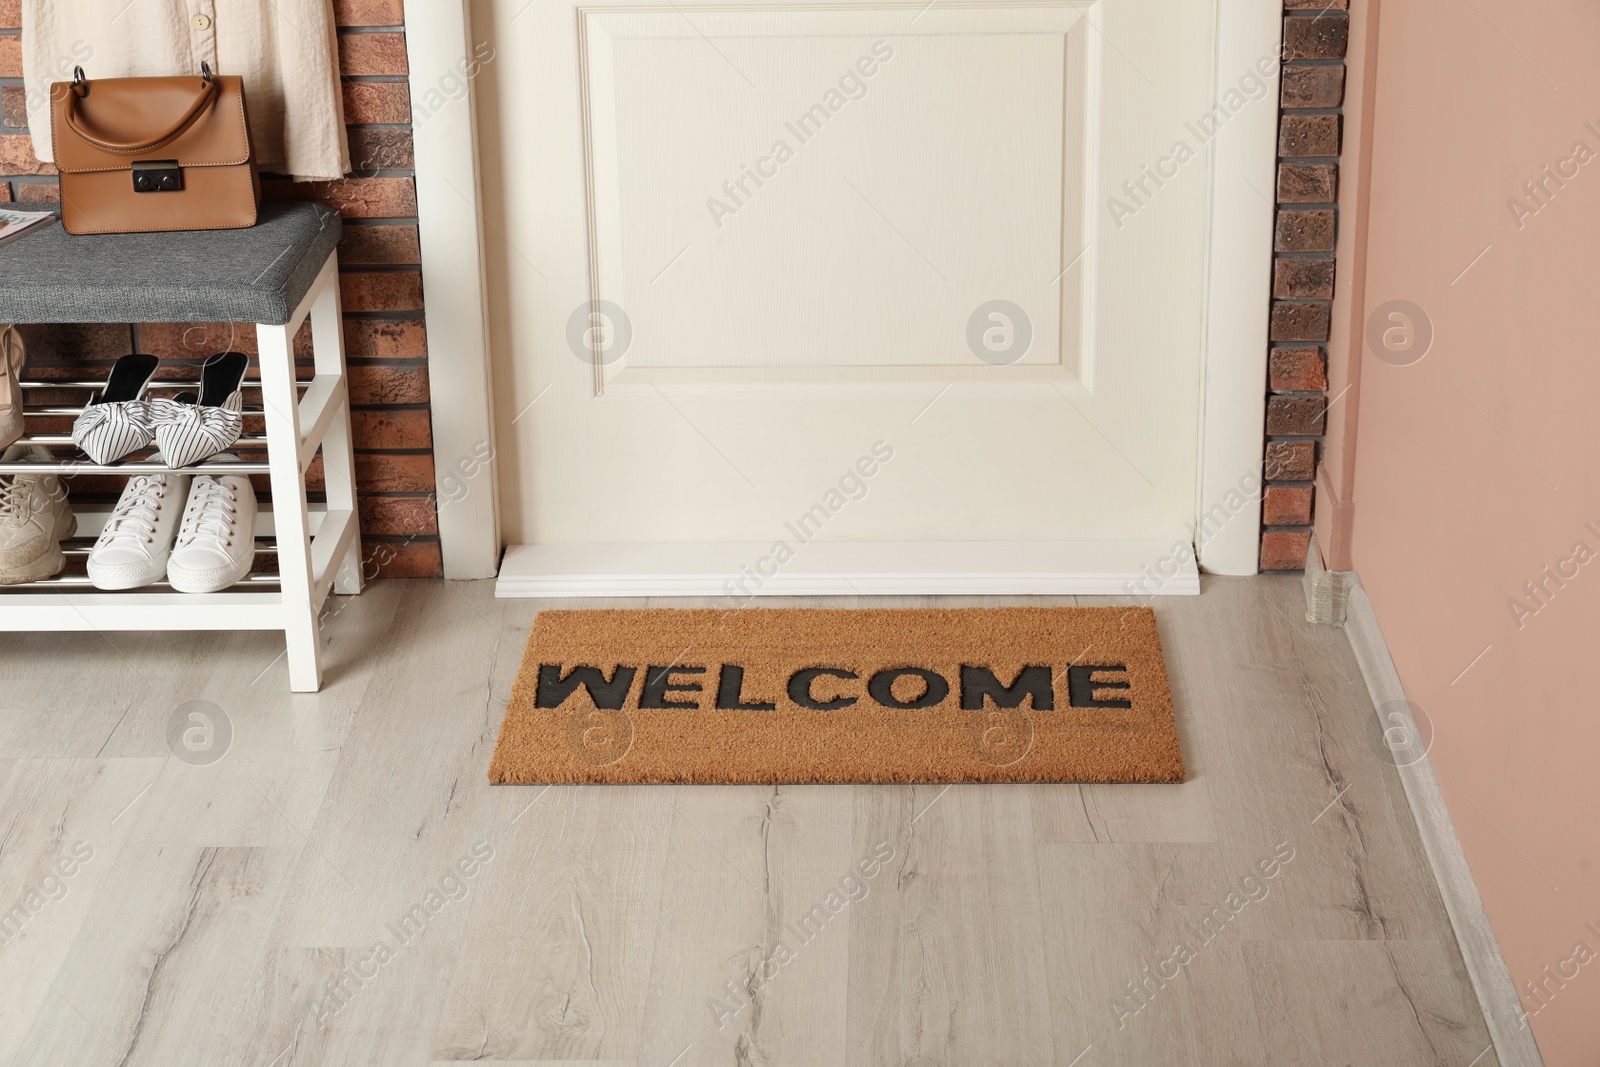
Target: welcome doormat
804,695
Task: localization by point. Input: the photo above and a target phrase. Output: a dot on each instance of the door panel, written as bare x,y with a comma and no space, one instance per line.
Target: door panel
787,179
749,250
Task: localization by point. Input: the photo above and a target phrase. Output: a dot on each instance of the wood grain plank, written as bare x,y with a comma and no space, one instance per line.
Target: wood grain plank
63,824
166,950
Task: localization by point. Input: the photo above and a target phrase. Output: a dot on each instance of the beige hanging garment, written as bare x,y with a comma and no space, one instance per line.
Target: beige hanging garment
285,51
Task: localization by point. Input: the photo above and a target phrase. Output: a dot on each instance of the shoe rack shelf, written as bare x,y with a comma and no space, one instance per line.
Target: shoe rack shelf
318,545
247,442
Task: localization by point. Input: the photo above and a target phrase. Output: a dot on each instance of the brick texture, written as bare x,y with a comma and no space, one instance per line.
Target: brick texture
411,557
377,339
1316,37
405,516
16,155
1297,370
356,198
1284,550
402,473
1294,321
379,244
372,53
1291,461
381,288
374,149
368,12
1308,183
60,342
13,107
388,384
385,291
391,428
1308,135
1286,505
377,102
1305,275
1297,415
1304,231
173,341
1313,86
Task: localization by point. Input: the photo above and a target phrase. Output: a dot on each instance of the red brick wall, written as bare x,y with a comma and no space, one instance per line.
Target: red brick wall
380,283
1304,273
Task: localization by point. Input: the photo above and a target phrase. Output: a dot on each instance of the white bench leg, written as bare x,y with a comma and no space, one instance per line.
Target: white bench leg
291,520
338,450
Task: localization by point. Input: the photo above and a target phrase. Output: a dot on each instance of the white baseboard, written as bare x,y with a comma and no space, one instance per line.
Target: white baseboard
1491,979
851,568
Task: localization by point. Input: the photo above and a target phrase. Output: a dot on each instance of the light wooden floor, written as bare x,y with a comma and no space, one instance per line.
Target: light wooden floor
219,905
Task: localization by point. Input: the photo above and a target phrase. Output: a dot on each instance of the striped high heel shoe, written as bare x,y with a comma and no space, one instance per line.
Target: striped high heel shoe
189,433
116,421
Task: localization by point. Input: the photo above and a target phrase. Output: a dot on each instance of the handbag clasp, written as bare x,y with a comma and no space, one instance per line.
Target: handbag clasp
157,176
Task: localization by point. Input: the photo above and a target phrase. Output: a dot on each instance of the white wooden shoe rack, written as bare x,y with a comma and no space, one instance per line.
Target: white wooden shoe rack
318,546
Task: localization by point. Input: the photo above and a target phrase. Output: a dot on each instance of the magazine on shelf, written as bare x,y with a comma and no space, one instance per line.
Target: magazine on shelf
14,224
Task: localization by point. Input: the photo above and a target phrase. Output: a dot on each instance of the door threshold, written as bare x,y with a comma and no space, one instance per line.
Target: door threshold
851,568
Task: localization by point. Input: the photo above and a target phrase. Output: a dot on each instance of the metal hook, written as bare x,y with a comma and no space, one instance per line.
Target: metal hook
205,73
80,84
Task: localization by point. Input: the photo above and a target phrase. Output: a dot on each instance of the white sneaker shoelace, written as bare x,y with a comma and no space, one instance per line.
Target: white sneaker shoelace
211,521
13,500
133,523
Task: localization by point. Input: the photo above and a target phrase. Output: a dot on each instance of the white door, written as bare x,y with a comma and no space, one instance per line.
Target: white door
804,273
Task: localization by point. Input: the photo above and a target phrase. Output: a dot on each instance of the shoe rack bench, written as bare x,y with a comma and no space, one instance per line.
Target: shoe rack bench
285,270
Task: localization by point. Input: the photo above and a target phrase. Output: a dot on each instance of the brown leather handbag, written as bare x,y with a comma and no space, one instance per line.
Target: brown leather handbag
138,155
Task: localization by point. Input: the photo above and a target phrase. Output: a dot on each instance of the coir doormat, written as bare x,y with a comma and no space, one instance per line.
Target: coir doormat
801,695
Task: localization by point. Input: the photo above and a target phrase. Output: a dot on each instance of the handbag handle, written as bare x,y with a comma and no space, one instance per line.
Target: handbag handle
207,93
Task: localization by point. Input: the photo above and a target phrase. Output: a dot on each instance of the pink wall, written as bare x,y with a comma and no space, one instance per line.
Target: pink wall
1475,468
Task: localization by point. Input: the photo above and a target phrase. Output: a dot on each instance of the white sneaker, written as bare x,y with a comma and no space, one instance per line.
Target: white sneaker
133,548
216,543
34,519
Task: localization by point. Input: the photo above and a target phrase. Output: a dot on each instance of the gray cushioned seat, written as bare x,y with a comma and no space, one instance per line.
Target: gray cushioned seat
258,274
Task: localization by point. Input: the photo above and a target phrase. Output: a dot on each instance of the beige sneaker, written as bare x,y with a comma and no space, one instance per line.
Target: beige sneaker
34,519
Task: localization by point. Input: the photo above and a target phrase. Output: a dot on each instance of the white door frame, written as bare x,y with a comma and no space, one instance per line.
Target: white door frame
440,48
443,60
1238,286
